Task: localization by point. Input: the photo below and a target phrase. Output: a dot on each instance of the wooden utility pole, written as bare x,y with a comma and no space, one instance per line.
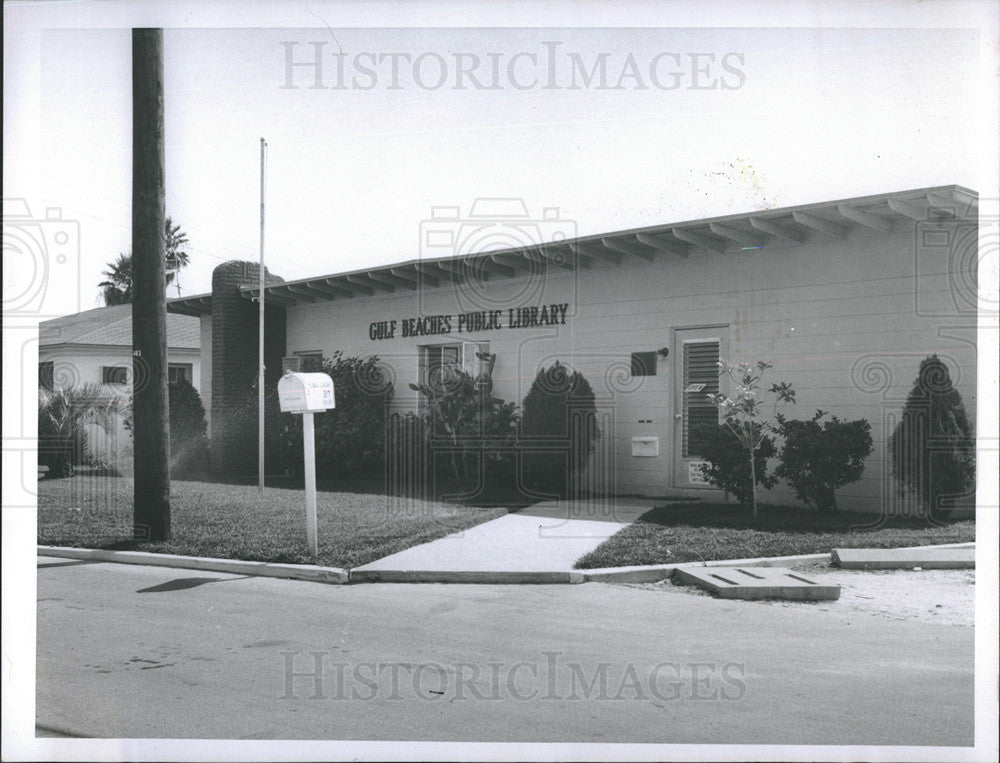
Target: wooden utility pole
151,420
260,330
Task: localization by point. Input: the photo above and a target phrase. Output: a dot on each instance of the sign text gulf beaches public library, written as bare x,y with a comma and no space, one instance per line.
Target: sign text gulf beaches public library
467,323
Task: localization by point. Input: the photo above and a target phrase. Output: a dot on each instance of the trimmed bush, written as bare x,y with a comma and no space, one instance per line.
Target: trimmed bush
933,448
817,459
188,440
350,438
729,459
558,430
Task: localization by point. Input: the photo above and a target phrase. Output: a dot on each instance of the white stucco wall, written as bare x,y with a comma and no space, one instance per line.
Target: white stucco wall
846,322
75,365
204,386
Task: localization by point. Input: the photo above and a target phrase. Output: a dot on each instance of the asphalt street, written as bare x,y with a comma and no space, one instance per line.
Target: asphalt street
134,651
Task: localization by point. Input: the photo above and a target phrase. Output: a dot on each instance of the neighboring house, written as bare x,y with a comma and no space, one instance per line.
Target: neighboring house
844,298
95,347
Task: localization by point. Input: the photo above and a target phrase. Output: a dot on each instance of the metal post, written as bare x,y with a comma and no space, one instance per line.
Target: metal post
260,353
309,450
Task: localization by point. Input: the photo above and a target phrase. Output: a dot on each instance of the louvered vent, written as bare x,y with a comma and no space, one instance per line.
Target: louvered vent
701,378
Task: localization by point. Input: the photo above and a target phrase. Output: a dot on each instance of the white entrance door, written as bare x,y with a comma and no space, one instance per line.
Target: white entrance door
697,352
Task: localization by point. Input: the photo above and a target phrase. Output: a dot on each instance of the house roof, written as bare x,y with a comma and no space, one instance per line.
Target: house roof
112,326
787,226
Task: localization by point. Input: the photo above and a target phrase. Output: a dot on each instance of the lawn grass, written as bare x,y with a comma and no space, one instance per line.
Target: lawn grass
236,522
704,531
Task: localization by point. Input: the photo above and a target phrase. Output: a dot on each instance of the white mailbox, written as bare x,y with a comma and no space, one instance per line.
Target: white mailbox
305,393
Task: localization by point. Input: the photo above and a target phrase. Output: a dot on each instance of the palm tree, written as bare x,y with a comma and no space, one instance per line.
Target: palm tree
63,417
117,289
177,257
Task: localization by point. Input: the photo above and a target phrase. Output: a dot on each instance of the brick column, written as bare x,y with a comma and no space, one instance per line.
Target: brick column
234,366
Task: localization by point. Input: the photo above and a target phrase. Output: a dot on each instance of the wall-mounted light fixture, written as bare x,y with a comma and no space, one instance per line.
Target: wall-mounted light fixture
663,352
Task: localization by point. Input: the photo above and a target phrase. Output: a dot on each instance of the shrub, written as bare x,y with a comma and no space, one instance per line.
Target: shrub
468,429
63,418
816,460
932,448
558,430
188,440
729,459
350,438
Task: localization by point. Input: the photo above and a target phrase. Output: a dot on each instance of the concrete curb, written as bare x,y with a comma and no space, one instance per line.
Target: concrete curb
647,574
337,576
903,559
311,572
656,572
502,577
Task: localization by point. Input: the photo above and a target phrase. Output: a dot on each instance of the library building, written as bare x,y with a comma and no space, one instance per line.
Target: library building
843,299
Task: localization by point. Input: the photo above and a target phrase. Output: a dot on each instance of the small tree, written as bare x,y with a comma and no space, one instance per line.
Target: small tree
932,448
743,411
816,460
558,428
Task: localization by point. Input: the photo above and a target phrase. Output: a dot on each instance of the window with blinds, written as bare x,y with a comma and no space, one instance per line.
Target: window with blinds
701,378
114,375
439,362
472,364
310,361
179,371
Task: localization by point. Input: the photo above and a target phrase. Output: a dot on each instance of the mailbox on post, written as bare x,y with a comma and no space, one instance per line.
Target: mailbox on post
307,394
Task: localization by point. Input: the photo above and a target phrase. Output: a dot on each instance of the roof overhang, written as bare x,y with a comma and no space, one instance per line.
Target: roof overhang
718,236
196,305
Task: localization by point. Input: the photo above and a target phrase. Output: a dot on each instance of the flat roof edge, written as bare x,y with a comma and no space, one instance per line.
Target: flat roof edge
590,238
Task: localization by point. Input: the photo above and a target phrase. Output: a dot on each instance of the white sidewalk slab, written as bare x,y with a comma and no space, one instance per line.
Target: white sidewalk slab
545,537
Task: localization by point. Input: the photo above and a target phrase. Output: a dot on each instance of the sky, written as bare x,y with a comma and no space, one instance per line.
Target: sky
686,122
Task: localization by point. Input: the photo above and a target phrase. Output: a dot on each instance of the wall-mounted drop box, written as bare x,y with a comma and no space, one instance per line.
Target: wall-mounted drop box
648,447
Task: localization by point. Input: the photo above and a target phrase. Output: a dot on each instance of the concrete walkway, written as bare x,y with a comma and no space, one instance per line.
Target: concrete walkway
547,536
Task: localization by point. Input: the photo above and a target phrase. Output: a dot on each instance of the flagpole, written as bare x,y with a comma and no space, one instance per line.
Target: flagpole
260,332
